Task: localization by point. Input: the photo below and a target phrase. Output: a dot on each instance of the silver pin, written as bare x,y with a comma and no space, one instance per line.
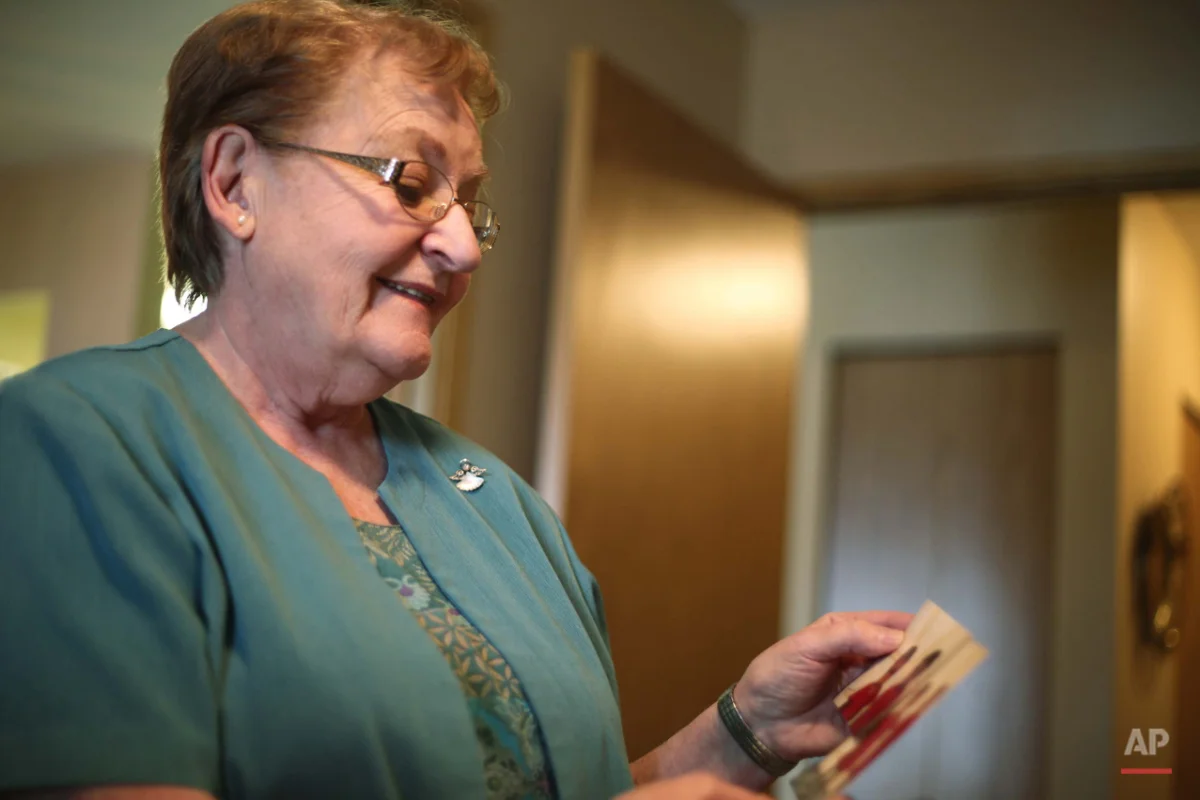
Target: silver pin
469,477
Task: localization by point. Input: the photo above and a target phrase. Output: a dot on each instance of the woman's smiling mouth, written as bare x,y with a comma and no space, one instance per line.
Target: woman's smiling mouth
409,291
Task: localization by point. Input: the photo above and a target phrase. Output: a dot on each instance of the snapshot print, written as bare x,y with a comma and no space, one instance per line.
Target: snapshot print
885,701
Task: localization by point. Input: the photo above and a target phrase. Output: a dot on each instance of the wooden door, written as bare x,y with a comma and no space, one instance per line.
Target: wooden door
1186,733
677,322
944,489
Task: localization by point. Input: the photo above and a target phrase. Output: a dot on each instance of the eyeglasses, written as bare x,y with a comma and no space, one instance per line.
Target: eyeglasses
423,190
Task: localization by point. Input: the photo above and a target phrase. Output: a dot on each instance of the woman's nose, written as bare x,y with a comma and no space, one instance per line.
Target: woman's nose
452,241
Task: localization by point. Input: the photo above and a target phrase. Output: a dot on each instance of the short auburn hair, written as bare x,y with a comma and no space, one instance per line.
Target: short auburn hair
267,65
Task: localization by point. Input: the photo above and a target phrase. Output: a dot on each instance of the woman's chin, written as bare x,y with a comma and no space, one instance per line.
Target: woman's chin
403,360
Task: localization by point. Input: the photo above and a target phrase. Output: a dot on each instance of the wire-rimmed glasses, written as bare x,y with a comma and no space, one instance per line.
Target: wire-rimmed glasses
424,191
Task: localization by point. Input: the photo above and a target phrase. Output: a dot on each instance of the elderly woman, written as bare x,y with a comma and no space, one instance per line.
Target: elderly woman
231,569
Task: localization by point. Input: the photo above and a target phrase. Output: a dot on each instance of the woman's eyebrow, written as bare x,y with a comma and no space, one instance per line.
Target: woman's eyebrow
432,150
477,176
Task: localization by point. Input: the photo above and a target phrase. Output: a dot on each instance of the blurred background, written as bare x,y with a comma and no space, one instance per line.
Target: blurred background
799,305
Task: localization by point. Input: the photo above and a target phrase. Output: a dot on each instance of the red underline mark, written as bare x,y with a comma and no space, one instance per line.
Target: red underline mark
1145,771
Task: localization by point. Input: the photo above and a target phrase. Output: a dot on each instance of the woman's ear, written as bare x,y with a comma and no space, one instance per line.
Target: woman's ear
224,180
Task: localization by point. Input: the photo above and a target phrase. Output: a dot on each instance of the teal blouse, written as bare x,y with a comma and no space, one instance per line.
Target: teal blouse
514,763
184,602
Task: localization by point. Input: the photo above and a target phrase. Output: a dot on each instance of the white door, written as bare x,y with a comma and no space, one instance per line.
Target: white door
944,489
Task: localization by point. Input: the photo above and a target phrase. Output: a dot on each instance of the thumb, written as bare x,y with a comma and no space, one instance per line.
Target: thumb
844,638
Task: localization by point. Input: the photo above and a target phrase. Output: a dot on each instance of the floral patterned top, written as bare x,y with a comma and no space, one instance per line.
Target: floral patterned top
514,759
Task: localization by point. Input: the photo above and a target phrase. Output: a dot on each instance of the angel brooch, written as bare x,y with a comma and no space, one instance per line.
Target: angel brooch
469,477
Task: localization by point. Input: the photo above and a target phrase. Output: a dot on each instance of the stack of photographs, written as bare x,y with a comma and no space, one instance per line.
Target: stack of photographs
884,702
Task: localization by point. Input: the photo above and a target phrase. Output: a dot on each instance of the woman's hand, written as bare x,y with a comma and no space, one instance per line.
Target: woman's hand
693,786
786,694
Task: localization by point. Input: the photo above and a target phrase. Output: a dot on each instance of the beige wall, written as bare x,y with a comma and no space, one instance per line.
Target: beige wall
78,229
690,51
1159,368
24,323
876,87
980,274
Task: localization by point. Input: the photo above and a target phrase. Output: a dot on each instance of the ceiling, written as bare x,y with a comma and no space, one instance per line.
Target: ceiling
64,62
754,8
86,75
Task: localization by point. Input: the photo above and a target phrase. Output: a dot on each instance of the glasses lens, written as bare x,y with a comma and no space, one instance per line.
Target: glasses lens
423,191
426,194
485,223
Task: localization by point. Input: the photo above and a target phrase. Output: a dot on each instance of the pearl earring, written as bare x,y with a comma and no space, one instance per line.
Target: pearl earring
242,219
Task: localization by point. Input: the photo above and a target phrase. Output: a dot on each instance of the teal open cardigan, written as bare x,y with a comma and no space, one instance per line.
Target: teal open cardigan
185,602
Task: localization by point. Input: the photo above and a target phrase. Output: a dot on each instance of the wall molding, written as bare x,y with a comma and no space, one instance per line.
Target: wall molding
973,183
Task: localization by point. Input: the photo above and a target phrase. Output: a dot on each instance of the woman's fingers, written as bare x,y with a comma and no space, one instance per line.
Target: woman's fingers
835,639
889,619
